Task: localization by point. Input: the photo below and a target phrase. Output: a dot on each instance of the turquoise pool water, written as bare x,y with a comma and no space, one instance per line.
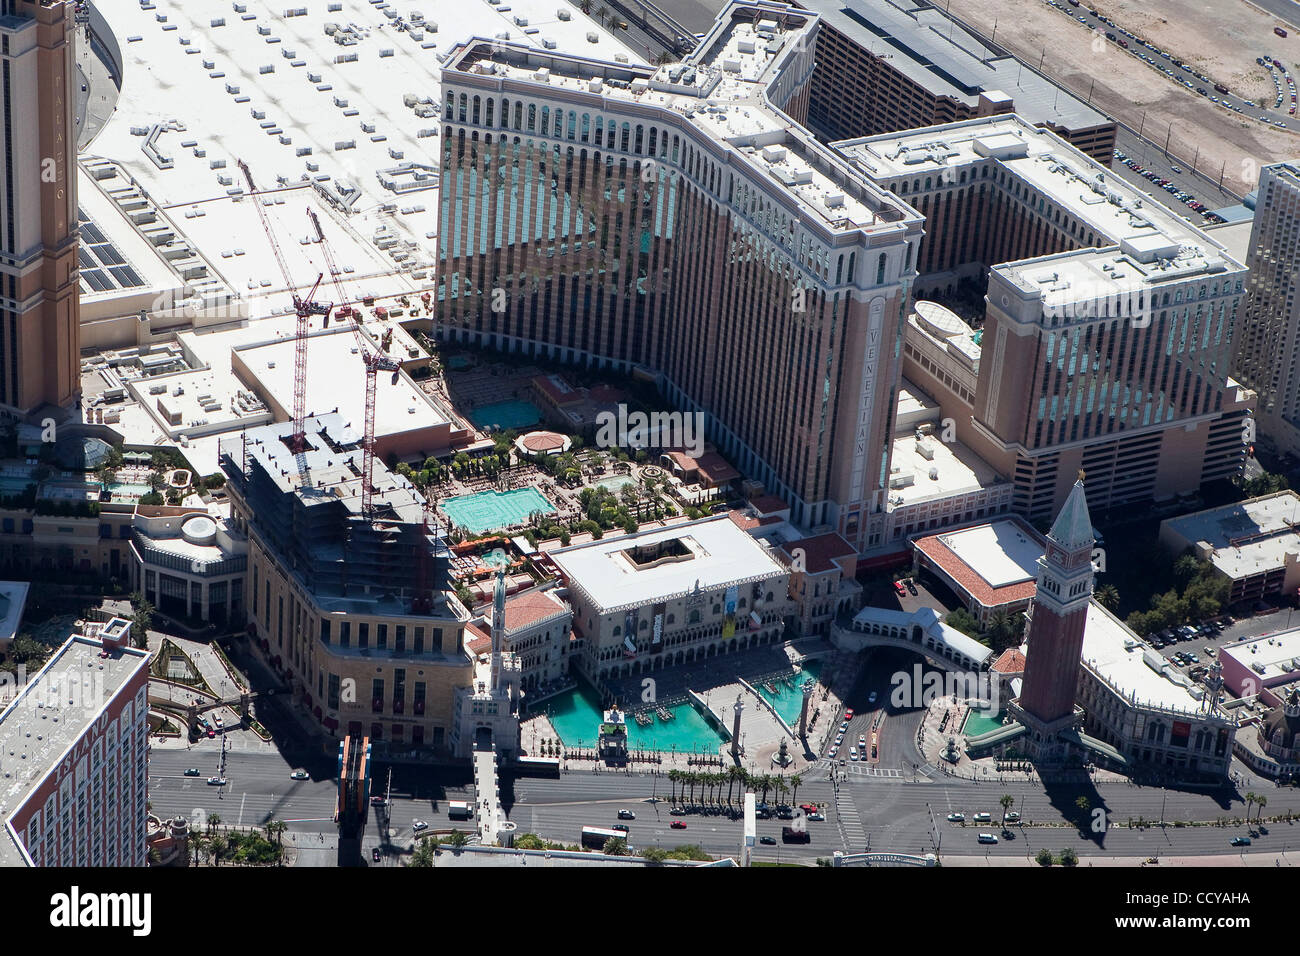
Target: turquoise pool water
127,489
491,510
496,558
788,699
575,715
615,484
512,414
979,722
459,362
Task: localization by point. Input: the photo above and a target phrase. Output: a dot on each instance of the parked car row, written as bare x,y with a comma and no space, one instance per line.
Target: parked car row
1158,59
1190,201
1276,67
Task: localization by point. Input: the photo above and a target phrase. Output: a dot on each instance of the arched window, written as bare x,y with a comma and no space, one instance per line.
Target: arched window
638,141
623,139
474,115
653,134
487,119
586,127
519,116
546,119
464,101
880,270
694,617
532,118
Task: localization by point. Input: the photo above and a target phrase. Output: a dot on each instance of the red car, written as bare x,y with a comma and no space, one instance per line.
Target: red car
848,714
211,733
899,587
808,807
677,825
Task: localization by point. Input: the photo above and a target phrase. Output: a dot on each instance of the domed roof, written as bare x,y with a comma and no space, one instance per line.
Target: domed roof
1282,723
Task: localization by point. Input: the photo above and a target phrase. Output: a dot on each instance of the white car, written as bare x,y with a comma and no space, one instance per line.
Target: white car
853,757
956,818
298,775
216,781
832,752
418,825
816,817
983,818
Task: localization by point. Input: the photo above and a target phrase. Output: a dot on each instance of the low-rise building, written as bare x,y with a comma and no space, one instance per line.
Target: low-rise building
1253,544
990,567
538,627
191,563
671,596
823,580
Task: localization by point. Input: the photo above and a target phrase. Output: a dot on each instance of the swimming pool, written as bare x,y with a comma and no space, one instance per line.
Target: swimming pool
576,715
788,699
492,510
980,722
514,413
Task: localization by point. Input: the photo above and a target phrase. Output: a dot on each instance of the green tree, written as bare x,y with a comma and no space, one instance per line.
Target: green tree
1107,596
964,621
425,851
1044,857
1007,801
141,619
1069,857
457,840
617,847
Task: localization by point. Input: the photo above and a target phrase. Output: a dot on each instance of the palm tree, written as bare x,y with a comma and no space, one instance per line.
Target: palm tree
795,780
1250,800
672,780
1007,801
601,15
424,853
1107,596
214,819
275,829
781,789
219,844
1261,801
585,6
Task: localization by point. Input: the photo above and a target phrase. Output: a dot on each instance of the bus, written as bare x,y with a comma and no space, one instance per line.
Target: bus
458,810
595,837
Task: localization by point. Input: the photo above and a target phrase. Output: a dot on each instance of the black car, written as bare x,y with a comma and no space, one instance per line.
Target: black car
621,827
911,587
376,855
767,840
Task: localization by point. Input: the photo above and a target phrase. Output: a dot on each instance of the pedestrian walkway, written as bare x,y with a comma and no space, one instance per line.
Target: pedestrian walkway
852,832
487,796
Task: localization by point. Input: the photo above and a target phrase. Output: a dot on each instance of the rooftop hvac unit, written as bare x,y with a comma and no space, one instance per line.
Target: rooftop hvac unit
548,44
593,37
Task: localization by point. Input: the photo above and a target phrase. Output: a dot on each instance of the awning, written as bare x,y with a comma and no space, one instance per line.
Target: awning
1099,747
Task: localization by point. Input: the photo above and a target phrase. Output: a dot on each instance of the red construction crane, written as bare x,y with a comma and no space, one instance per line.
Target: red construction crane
374,361
303,308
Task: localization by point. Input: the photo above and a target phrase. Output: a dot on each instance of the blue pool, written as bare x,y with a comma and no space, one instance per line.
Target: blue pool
511,414
492,510
788,699
576,714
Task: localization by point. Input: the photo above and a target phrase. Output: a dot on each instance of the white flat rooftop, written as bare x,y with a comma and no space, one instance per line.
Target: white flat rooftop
998,552
336,379
722,554
1124,661
956,469
1067,179
1269,522
263,87
1277,654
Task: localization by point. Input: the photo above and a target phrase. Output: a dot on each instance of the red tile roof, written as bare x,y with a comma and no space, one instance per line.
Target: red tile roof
768,504
969,579
1011,662
529,608
479,643
556,389
822,551
712,467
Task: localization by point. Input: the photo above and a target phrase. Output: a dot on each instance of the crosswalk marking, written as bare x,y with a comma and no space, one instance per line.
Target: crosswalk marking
852,832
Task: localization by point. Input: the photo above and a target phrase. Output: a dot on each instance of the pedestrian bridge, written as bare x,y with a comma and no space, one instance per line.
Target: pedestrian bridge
921,631
487,791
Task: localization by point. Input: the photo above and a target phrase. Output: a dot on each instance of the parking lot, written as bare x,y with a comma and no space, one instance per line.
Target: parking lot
1176,645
